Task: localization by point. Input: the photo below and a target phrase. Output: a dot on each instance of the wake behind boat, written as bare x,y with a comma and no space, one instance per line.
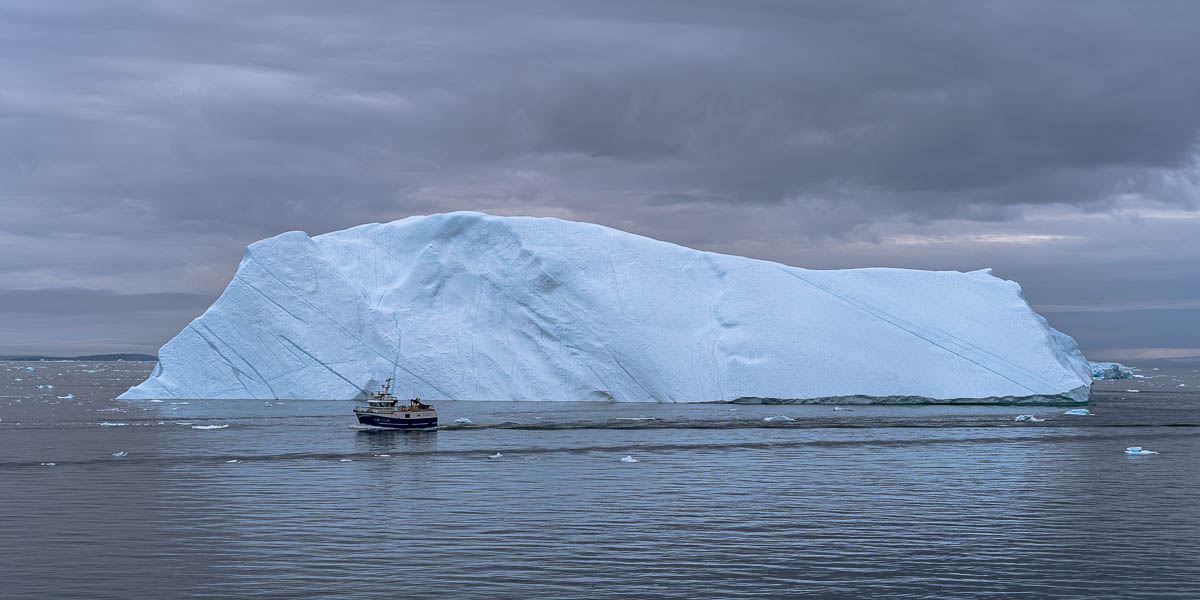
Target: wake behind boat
384,411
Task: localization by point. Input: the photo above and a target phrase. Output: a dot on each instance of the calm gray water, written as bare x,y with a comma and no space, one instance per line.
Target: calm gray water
906,502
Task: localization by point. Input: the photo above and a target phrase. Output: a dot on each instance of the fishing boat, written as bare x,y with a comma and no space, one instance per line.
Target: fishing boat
385,410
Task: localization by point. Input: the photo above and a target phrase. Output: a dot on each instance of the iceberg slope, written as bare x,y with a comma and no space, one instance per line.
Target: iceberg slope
468,306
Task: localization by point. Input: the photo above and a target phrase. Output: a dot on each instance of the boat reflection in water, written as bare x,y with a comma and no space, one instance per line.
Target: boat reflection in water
384,410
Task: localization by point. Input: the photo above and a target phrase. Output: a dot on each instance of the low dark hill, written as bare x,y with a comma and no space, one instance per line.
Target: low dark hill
90,357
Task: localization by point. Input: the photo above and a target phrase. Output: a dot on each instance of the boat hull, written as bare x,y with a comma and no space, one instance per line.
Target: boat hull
414,424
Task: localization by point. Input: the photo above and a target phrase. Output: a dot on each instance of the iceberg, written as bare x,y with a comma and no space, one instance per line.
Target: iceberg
1079,412
1110,370
467,306
1137,450
629,459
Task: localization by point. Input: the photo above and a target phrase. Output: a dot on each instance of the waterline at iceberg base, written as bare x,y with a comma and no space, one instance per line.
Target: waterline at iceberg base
467,306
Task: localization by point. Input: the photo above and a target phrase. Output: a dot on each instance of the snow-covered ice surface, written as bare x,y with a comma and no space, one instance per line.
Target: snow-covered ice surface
467,306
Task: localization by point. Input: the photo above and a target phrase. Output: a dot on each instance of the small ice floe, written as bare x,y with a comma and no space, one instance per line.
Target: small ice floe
1133,391
629,459
176,403
155,401
232,461
185,423
47,464
837,408
346,460
1183,385
67,397
463,421
30,369
107,424
18,379
120,454
1137,450
1030,418
1078,411
778,418
637,418
495,456
266,403
209,426
383,456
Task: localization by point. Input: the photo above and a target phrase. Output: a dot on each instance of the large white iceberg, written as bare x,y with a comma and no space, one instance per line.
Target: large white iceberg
468,306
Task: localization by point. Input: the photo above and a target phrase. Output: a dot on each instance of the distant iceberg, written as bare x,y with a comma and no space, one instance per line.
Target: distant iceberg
467,306
1110,370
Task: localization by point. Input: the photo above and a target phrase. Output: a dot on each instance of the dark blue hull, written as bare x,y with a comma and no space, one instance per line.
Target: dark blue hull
397,423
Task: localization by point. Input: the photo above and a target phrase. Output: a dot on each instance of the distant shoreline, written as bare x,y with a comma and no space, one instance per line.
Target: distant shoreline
90,357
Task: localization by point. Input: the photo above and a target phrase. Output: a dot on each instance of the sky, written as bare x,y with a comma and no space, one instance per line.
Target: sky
143,145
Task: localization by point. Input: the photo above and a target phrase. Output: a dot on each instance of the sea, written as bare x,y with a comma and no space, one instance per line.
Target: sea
101,498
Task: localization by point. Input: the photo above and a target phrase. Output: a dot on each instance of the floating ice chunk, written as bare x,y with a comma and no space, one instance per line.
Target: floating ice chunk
1077,411
837,408
18,379
1110,370
209,426
175,403
120,454
495,456
637,418
778,418
233,461
1133,391
1183,385
383,456
107,424
155,401
183,422
463,421
1138,450
67,397
30,369
629,459
1030,418
47,464
346,460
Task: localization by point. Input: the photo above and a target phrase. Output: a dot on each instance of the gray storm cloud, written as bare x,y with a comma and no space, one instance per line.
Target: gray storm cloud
143,144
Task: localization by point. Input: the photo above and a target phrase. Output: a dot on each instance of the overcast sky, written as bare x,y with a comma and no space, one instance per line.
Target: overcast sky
144,144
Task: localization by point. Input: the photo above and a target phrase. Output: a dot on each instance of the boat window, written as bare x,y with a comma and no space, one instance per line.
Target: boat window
405,415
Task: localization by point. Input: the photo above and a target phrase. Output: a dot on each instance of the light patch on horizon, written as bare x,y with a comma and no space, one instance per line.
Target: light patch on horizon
980,238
